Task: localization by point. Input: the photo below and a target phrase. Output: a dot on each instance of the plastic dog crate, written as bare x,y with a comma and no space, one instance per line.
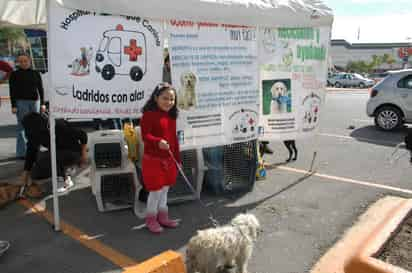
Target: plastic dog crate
115,189
193,168
231,168
108,149
181,191
113,176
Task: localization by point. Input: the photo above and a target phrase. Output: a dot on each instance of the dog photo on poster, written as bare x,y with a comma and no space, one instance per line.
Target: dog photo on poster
277,96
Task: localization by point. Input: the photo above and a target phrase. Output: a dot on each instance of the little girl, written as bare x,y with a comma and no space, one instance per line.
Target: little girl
158,127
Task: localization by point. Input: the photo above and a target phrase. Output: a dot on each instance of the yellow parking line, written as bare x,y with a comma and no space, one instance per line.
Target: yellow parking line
90,242
346,180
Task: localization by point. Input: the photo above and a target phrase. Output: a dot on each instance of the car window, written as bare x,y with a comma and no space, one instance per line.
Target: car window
405,82
114,51
358,76
103,44
114,46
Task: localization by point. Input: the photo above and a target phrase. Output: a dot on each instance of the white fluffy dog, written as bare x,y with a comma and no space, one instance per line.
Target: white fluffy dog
221,249
278,90
187,96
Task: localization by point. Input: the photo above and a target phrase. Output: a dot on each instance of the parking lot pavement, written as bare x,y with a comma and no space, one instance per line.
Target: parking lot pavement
4,90
302,214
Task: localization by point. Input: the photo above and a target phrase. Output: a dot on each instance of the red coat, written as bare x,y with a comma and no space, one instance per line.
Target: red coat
158,167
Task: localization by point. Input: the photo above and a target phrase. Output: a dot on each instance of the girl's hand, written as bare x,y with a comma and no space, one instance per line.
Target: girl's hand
163,145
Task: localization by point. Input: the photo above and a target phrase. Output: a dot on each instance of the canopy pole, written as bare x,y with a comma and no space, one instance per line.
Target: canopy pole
53,153
56,211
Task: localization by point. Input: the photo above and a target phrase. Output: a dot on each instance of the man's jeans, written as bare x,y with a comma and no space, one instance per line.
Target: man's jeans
24,107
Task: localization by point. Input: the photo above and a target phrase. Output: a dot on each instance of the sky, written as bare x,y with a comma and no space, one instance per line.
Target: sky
376,21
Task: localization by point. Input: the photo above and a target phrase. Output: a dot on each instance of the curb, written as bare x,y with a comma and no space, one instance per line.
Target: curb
363,260
333,89
166,262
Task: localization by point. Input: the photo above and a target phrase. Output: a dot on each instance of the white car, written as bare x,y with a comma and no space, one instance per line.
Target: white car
350,80
390,101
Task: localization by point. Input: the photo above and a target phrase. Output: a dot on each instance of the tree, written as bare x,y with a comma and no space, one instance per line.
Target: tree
388,58
10,33
368,67
14,38
358,67
376,61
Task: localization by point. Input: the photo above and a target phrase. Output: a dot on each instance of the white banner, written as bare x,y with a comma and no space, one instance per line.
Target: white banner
214,68
293,79
102,65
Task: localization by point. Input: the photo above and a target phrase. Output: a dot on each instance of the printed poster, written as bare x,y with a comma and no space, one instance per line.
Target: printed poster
102,65
214,68
293,77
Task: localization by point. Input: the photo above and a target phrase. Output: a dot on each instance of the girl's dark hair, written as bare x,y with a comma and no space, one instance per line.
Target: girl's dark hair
151,104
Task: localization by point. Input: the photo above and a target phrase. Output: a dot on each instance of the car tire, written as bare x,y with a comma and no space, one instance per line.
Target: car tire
362,85
136,73
108,72
338,85
388,118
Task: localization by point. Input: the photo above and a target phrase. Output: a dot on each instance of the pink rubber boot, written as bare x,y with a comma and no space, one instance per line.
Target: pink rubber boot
163,218
152,224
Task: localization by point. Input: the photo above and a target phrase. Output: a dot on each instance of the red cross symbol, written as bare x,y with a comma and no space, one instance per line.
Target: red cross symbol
133,50
251,121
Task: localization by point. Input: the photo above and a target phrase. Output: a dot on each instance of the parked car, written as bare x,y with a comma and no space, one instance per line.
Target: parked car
350,80
390,101
377,77
331,76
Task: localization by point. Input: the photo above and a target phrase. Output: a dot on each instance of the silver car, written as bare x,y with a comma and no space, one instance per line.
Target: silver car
390,101
350,80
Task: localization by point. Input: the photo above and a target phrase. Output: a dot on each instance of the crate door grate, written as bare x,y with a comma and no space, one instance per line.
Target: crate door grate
239,166
231,168
107,155
189,160
118,189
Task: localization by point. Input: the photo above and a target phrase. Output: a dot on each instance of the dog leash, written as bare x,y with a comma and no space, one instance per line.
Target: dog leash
214,221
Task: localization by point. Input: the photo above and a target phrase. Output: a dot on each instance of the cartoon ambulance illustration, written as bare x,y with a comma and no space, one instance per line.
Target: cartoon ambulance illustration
246,123
122,52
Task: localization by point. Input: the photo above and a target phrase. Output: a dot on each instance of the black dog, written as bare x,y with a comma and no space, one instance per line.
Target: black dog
291,146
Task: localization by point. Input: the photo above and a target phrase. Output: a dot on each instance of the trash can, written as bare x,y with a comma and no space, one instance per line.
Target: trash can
230,168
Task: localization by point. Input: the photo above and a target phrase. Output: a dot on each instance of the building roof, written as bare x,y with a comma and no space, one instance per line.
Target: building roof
346,44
